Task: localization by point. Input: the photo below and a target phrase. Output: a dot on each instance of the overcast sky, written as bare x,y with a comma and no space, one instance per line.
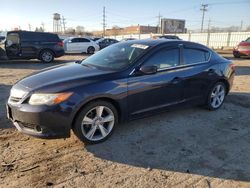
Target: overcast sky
20,13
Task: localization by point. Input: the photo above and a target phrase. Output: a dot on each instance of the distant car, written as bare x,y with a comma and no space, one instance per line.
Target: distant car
127,39
173,37
242,49
96,38
80,45
33,45
104,42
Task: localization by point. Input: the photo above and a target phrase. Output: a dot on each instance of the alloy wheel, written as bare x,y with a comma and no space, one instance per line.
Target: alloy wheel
98,123
217,96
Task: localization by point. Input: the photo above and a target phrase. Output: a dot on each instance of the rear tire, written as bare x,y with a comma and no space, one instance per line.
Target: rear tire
216,96
91,50
236,54
46,56
95,123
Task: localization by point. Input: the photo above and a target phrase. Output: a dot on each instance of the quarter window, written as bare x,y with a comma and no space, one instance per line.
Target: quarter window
165,58
191,56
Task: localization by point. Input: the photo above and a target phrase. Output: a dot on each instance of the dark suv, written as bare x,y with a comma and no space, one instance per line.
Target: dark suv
33,45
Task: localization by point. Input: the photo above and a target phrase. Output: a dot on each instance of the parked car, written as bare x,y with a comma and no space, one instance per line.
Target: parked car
2,38
125,81
33,45
80,45
127,39
173,37
242,49
104,42
96,38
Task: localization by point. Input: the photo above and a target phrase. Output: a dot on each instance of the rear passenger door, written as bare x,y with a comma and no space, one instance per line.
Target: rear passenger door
199,73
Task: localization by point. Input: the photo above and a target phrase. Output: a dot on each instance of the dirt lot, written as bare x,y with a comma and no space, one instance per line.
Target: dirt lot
185,148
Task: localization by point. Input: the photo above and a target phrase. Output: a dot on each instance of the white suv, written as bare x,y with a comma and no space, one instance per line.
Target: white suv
80,45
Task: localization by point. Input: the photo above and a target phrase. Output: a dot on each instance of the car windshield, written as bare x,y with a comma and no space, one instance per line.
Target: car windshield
115,57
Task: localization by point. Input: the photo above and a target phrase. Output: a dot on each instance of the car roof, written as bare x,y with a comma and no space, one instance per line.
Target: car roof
156,42
23,31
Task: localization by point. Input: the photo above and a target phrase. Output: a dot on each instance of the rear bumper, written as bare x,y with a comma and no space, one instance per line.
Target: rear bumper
40,121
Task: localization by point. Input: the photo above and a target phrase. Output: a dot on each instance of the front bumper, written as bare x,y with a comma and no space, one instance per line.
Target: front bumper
241,52
40,121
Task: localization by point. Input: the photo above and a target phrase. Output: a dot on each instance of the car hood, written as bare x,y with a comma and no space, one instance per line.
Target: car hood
63,75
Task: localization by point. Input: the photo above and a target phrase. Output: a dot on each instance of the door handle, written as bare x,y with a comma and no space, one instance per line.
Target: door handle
176,80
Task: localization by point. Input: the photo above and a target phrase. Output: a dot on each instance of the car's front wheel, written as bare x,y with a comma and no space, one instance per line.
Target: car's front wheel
46,56
216,96
96,122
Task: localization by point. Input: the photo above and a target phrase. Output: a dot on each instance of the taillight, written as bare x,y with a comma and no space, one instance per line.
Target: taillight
232,66
60,43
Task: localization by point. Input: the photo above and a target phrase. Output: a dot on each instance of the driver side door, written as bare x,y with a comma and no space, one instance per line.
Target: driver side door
148,93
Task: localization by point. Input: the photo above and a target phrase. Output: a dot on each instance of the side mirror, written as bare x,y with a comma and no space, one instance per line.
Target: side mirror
152,69
69,41
78,62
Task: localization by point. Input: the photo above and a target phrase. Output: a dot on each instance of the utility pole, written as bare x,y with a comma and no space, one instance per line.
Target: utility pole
29,27
104,21
208,26
64,24
42,24
203,9
159,22
241,25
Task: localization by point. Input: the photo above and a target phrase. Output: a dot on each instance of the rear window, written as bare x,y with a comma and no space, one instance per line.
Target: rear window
36,36
191,56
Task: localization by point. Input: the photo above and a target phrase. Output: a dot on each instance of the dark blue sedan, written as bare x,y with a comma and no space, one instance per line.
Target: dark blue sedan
123,82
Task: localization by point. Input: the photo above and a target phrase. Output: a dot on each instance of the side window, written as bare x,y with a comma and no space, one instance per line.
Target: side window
191,56
248,40
75,40
83,40
165,58
12,39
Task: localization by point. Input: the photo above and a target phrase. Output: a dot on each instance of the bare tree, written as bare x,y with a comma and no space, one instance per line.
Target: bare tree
79,30
70,31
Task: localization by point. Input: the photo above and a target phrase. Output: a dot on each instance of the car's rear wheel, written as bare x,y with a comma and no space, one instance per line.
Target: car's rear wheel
216,96
46,56
91,50
96,122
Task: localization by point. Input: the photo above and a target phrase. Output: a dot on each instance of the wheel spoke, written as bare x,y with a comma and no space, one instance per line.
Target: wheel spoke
103,130
87,120
214,102
221,93
108,118
218,89
91,132
213,95
99,111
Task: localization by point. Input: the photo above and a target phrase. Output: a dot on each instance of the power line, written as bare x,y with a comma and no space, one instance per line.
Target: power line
203,9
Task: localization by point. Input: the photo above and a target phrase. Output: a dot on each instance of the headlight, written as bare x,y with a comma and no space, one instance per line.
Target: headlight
48,98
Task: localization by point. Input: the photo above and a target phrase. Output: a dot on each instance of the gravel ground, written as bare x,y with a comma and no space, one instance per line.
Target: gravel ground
184,148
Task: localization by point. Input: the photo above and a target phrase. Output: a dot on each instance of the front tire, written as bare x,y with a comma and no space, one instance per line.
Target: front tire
46,56
95,123
216,96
